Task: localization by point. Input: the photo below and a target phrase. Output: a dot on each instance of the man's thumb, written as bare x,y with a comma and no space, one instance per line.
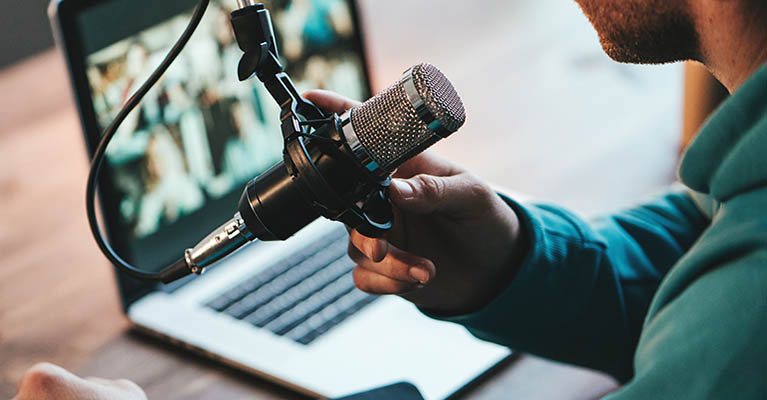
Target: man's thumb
428,193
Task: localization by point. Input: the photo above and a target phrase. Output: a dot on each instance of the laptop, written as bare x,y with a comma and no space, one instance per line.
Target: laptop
287,311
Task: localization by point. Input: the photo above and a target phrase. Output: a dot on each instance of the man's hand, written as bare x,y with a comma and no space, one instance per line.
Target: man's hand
455,243
49,382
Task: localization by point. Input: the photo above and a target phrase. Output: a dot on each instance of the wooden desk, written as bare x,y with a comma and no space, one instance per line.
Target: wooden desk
57,295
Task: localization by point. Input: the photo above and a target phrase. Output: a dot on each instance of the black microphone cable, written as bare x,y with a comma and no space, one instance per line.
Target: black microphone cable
178,268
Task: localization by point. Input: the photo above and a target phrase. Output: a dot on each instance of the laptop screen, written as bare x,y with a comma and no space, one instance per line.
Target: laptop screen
179,162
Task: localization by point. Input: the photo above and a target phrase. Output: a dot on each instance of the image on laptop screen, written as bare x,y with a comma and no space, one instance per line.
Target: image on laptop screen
181,159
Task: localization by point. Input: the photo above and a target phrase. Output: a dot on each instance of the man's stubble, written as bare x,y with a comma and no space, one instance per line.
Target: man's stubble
644,31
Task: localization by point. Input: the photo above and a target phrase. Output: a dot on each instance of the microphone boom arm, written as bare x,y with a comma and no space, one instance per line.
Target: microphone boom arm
254,32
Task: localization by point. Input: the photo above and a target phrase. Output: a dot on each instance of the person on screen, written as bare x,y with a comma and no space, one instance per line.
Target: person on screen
669,297
254,149
309,26
170,191
131,139
184,111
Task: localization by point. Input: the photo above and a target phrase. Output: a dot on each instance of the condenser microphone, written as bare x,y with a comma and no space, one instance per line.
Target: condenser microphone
341,169
403,120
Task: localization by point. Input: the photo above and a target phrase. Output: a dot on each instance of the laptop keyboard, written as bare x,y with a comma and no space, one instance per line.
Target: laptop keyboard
303,296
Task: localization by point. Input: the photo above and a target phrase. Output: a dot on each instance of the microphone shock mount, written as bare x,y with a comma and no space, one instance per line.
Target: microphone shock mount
318,175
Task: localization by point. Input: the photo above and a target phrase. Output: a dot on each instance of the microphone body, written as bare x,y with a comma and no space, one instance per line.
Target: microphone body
342,168
321,177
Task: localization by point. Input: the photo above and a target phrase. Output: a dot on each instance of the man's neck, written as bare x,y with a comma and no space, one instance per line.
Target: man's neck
733,39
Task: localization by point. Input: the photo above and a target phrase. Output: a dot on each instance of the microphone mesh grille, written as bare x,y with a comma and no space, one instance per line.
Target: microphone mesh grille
388,126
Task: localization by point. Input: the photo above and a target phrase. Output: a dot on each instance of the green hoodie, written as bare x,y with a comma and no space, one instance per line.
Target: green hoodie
669,297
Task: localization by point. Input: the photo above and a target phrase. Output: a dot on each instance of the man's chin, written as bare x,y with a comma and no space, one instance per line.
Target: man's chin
629,55
643,31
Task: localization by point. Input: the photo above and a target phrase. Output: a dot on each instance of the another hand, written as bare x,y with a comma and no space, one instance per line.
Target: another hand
455,243
49,382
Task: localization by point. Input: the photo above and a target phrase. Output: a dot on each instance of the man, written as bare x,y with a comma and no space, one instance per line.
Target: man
669,297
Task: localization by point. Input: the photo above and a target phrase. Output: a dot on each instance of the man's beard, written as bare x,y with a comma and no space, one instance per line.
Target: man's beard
643,31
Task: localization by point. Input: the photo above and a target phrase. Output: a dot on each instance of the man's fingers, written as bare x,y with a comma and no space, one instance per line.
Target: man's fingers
330,101
120,384
397,265
47,381
425,194
374,283
45,378
374,249
427,163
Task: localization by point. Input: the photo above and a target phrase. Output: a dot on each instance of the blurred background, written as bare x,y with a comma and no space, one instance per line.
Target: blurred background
24,30
548,115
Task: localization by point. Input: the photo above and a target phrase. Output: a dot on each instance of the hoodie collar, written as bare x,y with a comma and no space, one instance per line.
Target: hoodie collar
729,154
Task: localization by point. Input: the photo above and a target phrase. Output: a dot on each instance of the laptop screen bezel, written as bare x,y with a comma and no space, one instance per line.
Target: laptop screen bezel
63,15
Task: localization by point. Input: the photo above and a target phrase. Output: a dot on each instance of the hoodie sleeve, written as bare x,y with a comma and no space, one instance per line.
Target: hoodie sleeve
583,290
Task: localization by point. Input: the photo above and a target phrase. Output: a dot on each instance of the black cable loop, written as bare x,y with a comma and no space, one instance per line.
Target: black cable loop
98,155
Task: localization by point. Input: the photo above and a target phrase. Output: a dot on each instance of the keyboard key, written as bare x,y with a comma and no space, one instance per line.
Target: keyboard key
299,293
237,292
331,316
282,283
310,305
303,296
